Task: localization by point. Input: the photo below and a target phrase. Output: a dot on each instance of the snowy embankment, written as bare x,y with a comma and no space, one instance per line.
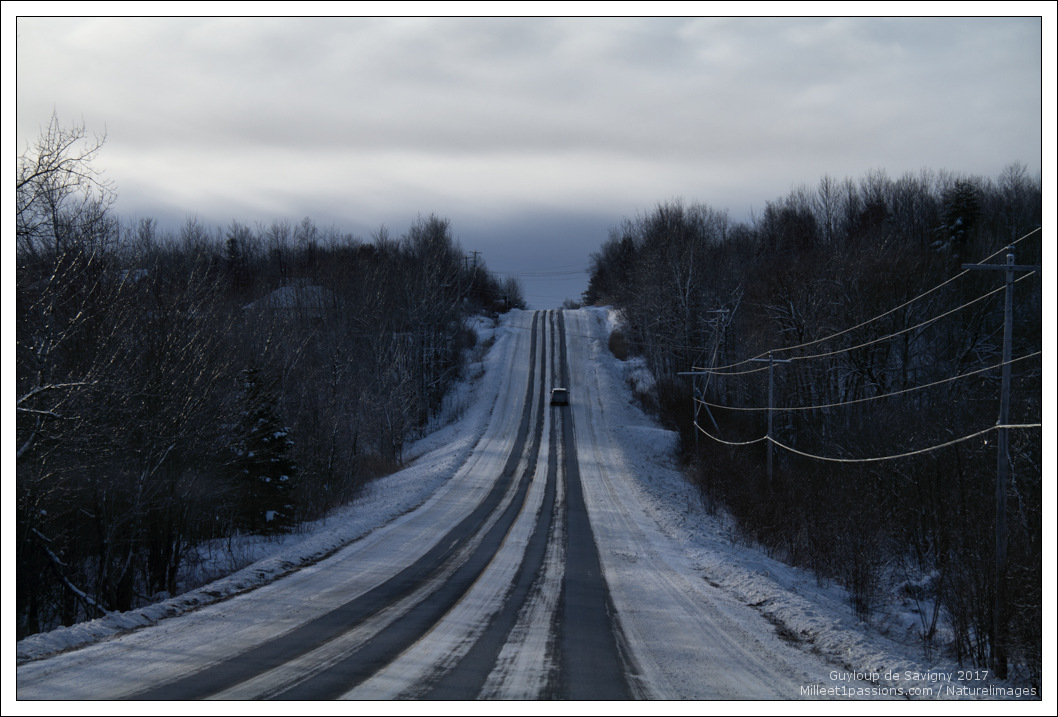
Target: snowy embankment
886,653
431,460
817,618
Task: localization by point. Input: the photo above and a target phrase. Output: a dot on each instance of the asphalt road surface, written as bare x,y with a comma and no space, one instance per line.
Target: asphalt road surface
531,574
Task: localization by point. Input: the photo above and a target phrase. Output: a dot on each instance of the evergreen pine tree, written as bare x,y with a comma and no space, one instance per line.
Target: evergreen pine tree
263,472
960,213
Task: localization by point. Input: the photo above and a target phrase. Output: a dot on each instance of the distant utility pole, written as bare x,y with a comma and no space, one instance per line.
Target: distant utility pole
700,395
771,407
698,399
475,255
1003,459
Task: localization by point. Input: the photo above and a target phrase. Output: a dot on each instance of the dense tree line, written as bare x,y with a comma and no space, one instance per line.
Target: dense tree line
176,387
892,349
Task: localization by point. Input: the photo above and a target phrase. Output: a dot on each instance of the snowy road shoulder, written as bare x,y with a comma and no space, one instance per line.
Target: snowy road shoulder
705,615
881,658
431,461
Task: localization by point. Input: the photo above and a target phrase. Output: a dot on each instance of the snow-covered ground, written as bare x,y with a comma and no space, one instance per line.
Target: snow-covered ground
882,658
457,428
885,653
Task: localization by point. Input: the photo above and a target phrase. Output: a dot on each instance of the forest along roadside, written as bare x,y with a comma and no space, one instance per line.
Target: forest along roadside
181,646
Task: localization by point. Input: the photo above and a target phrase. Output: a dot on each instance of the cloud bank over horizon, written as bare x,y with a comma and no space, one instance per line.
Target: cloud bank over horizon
508,126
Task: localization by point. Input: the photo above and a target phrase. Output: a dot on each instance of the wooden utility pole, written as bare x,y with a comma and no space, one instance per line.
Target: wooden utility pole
698,397
771,407
999,653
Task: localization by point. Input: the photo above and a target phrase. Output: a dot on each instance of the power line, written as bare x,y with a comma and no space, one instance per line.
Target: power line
1003,426
870,398
882,315
875,459
908,454
846,349
720,372
729,443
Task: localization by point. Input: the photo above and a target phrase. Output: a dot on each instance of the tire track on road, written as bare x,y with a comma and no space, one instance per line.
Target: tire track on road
468,677
326,628
388,644
591,644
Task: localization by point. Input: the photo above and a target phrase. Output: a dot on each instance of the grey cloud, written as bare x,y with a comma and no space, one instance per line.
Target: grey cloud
381,117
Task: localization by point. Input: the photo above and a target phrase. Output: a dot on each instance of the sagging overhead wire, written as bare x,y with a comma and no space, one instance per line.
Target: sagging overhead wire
868,398
874,459
728,443
723,370
880,339
908,454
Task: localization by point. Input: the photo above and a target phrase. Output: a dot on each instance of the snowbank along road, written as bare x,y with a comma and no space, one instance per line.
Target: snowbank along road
532,573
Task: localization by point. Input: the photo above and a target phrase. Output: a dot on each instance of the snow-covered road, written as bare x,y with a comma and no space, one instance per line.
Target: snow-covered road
689,640
535,563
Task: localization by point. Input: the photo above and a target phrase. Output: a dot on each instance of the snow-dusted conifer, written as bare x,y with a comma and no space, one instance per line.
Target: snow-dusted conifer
263,472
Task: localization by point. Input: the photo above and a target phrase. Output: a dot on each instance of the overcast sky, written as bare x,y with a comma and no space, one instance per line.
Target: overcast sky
532,136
